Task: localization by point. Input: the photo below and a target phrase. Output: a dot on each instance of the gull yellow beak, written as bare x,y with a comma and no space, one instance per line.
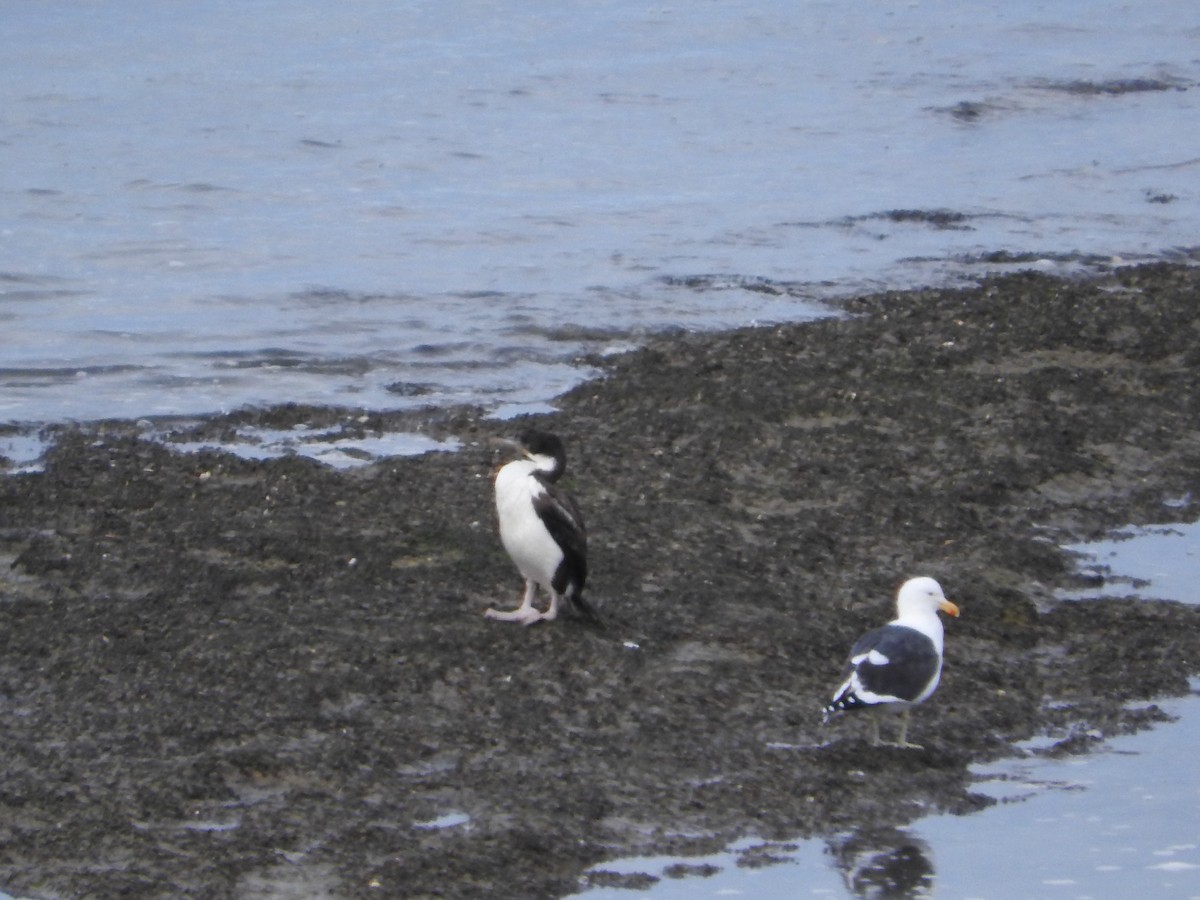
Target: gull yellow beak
948,608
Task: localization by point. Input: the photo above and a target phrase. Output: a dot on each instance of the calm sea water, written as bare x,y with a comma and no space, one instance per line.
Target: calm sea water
382,204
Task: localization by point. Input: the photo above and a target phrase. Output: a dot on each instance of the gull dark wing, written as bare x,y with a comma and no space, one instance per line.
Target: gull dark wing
912,661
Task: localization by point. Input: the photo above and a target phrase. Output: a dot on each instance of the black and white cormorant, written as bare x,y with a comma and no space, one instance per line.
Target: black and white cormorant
541,528
897,666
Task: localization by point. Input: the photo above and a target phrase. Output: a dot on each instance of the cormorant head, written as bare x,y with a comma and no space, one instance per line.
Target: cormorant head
546,450
543,449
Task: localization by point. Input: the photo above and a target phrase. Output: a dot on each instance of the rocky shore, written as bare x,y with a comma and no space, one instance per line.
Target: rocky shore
231,678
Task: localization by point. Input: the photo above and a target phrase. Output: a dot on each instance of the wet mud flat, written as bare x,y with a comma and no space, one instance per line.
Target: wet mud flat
232,678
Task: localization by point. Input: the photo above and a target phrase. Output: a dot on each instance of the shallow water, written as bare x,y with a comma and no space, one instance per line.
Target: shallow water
385,205
1119,822
324,445
1160,562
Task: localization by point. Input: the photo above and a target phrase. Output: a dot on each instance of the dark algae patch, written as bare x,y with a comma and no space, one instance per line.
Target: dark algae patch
225,678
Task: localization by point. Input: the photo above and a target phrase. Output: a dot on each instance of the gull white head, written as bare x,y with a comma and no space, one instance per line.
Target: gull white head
922,597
